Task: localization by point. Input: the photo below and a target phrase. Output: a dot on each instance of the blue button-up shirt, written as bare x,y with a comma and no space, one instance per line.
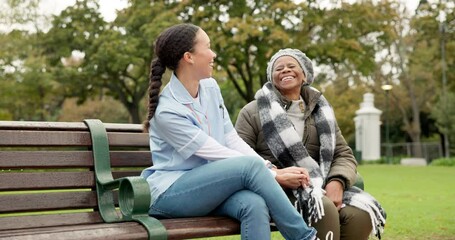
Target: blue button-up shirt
180,127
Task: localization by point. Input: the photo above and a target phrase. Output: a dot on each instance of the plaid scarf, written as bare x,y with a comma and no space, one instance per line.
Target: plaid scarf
287,147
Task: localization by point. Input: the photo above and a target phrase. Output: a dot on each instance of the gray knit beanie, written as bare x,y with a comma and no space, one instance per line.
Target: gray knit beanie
302,59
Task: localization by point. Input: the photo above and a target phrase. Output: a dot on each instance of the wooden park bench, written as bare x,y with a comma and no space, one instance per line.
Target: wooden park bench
79,180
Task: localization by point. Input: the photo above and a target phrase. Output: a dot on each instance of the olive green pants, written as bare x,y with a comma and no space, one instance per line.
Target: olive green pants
349,223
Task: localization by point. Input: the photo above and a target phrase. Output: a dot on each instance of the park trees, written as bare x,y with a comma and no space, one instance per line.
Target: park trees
111,58
244,34
443,38
27,89
344,41
414,67
123,52
341,43
355,47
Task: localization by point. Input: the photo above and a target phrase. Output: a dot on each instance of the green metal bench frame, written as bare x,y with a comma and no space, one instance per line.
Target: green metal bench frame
134,192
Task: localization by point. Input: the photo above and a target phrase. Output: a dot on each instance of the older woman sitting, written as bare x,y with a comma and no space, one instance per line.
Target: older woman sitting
291,124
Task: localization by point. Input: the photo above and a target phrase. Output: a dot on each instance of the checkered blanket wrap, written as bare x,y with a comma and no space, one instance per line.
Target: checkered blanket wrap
287,147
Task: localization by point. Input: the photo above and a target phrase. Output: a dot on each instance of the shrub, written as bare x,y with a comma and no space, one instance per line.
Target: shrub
443,162
383,160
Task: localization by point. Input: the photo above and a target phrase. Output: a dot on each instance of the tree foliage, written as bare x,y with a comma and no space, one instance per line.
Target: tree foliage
244,34
356,47
28,90
414,62
116,56
444,113
349,37
106,109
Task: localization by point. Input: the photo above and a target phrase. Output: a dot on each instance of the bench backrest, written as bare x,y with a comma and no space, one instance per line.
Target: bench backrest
47,168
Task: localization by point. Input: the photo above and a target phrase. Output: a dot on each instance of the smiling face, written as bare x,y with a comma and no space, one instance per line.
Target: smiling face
202,55
288,77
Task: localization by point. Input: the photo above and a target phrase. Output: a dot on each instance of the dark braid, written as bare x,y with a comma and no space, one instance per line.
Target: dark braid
156,72
170,46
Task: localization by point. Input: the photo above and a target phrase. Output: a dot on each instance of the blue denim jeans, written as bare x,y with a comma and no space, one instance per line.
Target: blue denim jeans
240,187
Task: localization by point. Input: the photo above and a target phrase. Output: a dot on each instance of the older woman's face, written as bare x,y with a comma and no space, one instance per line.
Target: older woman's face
288,76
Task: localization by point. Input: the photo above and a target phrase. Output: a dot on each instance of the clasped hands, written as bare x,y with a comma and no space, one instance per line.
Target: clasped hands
295,177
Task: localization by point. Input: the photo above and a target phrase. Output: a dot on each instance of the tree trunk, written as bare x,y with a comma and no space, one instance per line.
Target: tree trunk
133,110
415,129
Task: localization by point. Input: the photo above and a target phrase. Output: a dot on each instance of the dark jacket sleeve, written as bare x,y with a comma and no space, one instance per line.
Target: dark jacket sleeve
344,165
246,127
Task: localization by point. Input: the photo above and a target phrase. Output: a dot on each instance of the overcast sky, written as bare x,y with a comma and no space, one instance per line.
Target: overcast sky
108,8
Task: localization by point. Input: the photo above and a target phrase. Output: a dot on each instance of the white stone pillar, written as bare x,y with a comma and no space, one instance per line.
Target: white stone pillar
367,129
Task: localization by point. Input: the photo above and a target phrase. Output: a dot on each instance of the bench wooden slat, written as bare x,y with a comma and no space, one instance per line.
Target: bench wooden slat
66,126
128,139
55,138
69,159
131,158
43,126
101,231
54,180
45,159
48,220
197,227
120,174
47,201
46,180
37,138
179,228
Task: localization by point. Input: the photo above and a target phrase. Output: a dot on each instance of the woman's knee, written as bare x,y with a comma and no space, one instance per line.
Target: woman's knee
331,215
329,226
253,204
247,204
355,223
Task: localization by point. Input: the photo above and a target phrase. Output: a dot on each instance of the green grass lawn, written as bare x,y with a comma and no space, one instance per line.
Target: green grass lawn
419,201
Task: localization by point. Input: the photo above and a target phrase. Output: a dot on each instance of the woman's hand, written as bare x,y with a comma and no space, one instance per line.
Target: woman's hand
334,191
292,177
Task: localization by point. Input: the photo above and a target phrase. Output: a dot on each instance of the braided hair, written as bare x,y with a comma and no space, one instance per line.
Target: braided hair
170,46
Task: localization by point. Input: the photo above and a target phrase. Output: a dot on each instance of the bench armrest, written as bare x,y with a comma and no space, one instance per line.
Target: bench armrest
134,192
